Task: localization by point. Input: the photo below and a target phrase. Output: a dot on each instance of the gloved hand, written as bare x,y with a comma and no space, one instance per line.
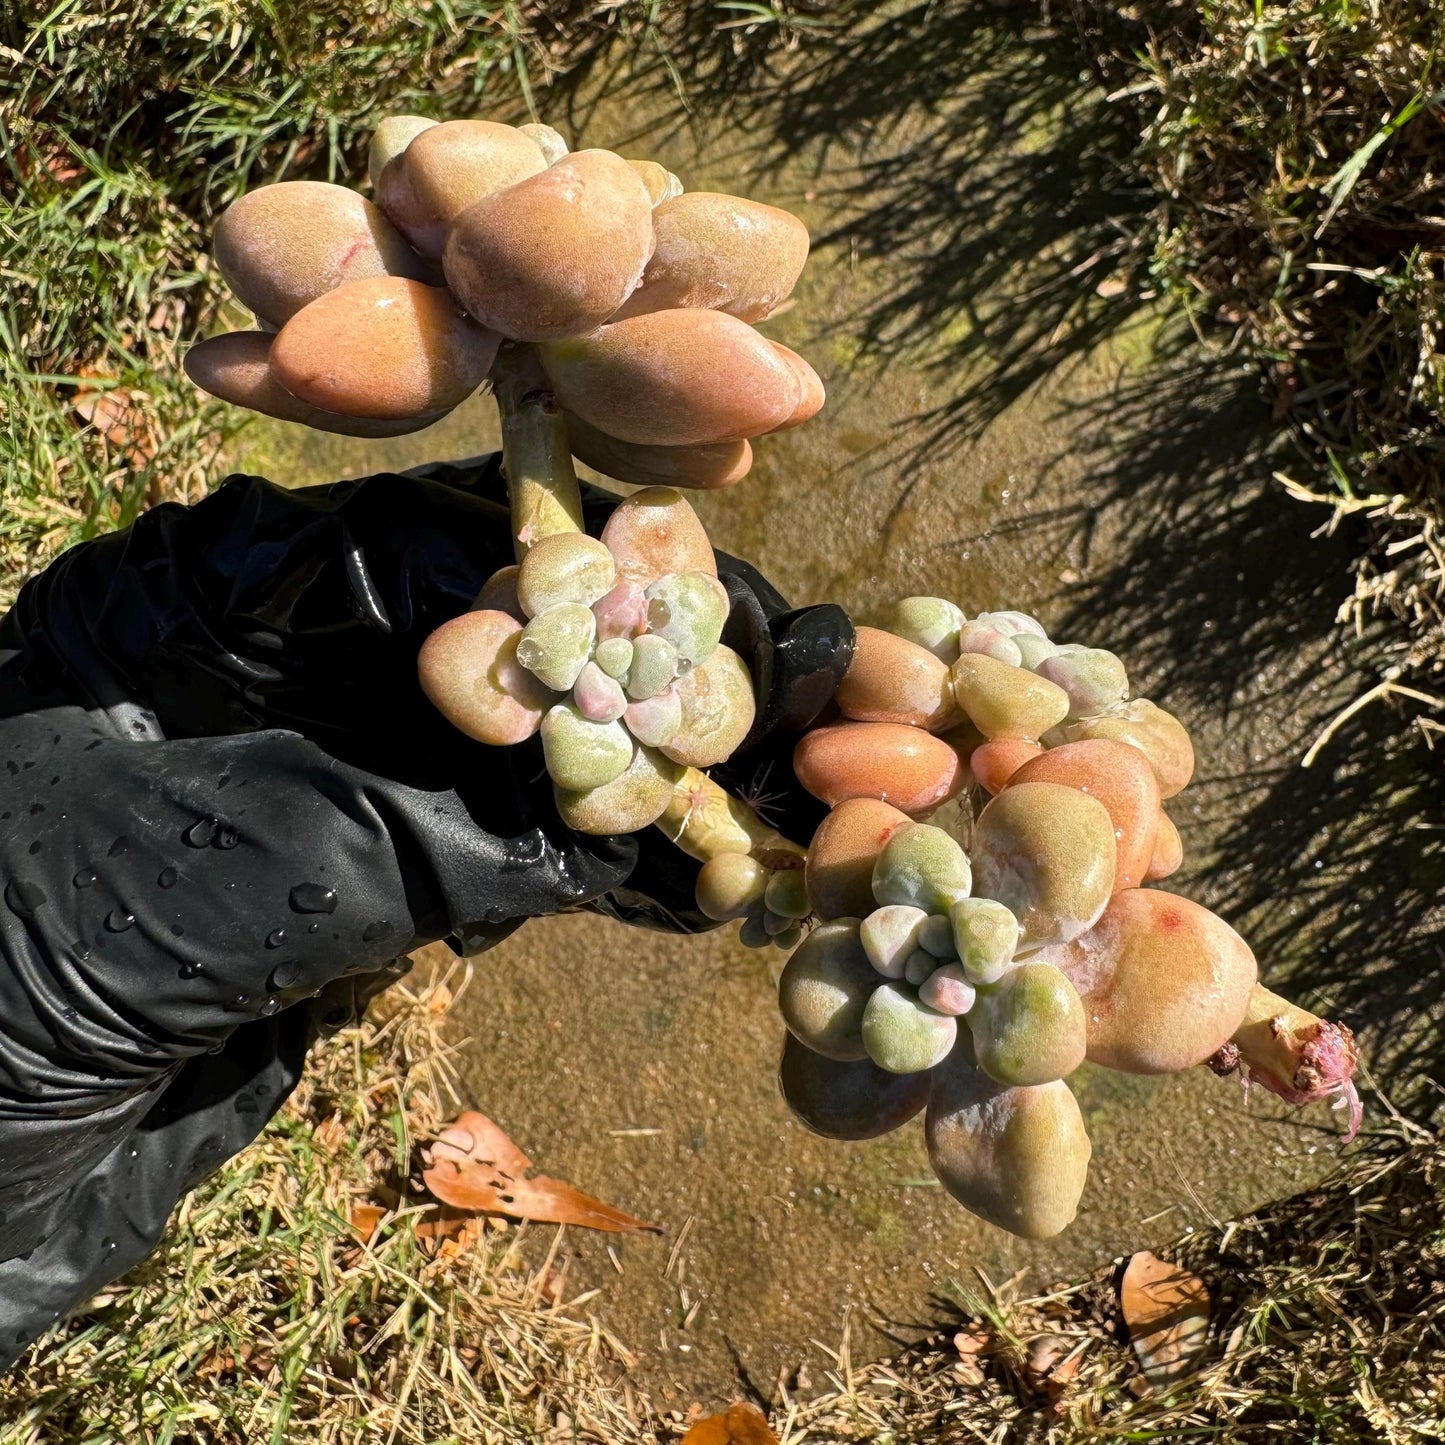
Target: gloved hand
228,810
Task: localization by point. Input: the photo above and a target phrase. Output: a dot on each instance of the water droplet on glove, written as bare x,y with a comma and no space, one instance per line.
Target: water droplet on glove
285,974
24,898
118,920
376,930
313,898
85,878
167,878
276,938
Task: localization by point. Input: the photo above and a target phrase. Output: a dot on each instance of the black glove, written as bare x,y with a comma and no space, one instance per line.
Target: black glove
228,809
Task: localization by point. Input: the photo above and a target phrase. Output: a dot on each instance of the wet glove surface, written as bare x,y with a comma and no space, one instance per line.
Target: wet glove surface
227,808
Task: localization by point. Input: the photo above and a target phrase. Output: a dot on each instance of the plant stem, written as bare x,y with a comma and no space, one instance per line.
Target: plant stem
1294,1054
705,821
536,456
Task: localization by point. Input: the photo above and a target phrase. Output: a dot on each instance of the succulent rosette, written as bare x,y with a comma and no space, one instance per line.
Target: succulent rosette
611,649
633,298
966,972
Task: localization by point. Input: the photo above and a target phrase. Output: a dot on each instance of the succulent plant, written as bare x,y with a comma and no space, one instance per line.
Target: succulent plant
612,313
986,961
621,653
624,299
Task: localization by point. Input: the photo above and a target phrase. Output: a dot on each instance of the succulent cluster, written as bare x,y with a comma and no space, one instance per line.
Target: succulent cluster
611,649
970,975
922,699
768,893
612,314
379,317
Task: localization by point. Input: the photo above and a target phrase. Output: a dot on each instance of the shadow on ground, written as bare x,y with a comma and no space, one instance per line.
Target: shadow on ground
1224,593
960,147
957,146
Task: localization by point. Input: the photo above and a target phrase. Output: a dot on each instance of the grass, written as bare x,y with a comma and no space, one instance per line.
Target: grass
1328,1326
1299,216
298,1298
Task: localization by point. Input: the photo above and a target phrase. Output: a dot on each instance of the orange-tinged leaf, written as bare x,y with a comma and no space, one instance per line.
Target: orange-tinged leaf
1167,1311
476,1167
739,1424
365,1218
117,416
444,1223
1061,1377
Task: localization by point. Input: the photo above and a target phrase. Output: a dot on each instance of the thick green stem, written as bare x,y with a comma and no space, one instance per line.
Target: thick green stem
705,821
536,457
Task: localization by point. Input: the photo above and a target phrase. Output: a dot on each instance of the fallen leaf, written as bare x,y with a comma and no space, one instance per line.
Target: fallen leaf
365,1218
972,1341
1061,1377
1167,1311
447,1231
331,1132
739,1424
49,159
118,417
476,1167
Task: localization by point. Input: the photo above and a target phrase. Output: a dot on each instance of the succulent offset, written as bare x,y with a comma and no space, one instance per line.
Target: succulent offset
968,976
609,648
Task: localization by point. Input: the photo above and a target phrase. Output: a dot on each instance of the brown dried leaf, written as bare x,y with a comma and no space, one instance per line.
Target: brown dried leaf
447,1232
118,417
739,1424
364,1219
331,1132
1061,1377
1167,1311
476,1167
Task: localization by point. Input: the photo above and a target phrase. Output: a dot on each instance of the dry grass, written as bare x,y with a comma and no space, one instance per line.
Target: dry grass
1329,1325
123,133
274,1313
1295,153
